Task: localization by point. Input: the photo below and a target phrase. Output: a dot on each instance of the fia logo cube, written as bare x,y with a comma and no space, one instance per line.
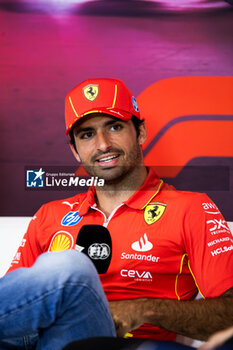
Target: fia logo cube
35,178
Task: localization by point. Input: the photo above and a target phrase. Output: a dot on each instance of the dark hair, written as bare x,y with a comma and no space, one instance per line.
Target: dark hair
72,141
136,122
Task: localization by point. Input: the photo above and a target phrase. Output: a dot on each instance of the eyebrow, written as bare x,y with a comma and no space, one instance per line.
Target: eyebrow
80,130
89,128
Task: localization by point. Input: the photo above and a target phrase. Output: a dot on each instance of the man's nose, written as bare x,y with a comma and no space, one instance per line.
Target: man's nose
103,142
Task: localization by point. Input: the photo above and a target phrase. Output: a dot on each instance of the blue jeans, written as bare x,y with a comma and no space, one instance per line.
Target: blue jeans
58,300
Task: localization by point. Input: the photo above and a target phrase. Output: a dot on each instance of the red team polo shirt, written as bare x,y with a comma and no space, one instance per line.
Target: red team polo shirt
166,244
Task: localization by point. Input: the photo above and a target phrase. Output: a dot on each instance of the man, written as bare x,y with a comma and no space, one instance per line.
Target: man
162,239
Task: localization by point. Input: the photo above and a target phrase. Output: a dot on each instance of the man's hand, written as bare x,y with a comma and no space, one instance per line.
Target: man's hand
217,339
127,315
197,319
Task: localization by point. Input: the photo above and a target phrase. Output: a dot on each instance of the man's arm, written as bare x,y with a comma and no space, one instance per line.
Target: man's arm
29,249
196,319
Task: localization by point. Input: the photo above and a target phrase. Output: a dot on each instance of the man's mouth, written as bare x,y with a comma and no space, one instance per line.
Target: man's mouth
107,159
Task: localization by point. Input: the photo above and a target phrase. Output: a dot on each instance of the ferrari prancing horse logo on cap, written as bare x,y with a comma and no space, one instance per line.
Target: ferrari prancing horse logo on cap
91,92
153,212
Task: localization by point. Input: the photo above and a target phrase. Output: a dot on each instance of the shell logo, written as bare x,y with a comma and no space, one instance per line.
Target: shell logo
62,240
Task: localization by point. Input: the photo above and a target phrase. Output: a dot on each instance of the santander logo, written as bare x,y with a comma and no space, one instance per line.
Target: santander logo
143,245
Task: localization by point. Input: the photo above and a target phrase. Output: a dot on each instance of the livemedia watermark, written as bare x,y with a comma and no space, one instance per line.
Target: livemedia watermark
197,178
56,178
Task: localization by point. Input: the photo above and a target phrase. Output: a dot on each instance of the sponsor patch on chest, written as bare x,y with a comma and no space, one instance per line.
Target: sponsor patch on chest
153,212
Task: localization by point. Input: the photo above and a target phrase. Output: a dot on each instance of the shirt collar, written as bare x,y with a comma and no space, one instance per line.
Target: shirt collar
148,190
139,200
88,201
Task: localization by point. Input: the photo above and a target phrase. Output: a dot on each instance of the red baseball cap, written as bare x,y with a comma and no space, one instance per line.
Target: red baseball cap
109,96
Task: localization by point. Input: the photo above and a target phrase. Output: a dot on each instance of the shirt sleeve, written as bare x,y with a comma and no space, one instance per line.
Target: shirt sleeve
209,246
29,248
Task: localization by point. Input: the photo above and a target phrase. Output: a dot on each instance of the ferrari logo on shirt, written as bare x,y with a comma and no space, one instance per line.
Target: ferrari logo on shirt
153,212
91,92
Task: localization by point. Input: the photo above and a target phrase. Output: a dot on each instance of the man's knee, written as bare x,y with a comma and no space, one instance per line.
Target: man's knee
68,264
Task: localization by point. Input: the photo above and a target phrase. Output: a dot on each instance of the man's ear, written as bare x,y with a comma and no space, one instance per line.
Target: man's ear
75,153
142,133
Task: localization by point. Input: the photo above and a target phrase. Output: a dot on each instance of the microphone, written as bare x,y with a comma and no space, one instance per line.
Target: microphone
95,241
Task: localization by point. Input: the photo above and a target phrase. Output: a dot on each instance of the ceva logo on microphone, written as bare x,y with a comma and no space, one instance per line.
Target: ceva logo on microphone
143,245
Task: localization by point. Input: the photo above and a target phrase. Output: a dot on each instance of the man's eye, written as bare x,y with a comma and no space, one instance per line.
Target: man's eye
86,135
116,127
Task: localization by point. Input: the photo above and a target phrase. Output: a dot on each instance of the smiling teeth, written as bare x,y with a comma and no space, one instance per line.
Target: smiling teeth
107,159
